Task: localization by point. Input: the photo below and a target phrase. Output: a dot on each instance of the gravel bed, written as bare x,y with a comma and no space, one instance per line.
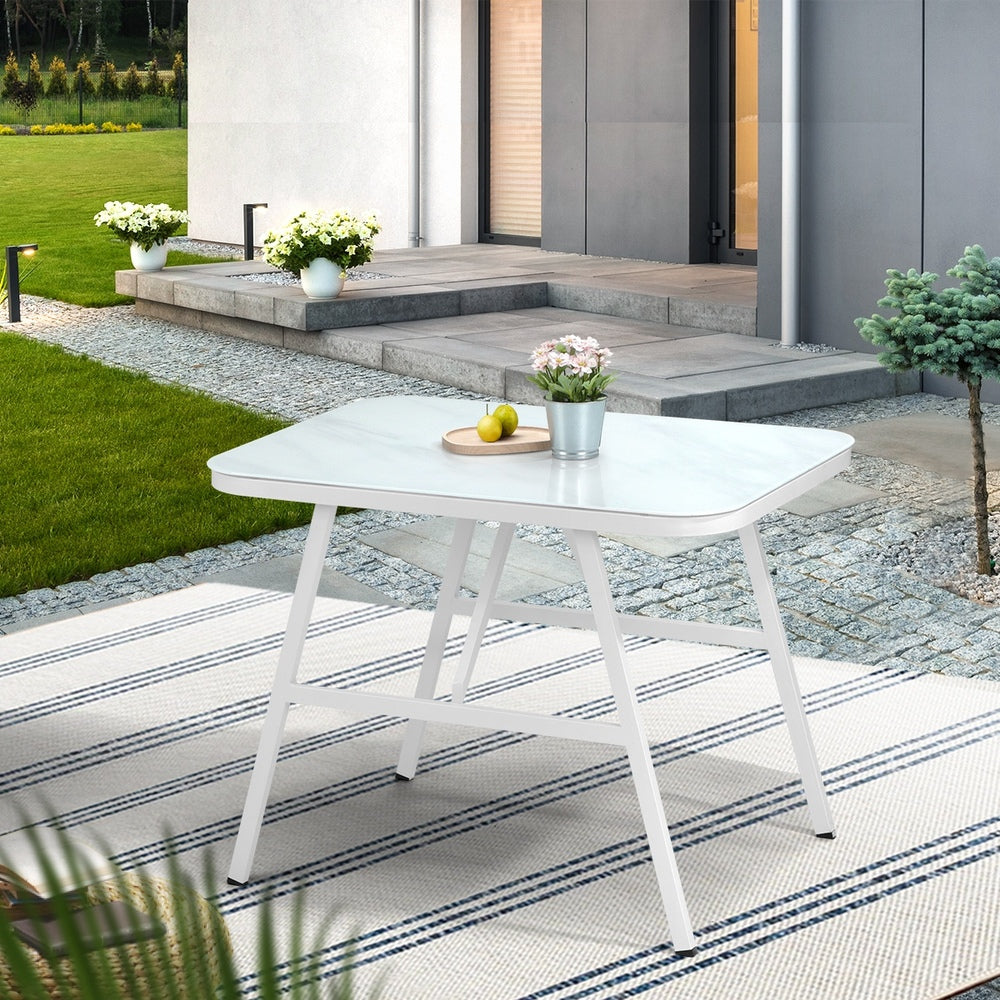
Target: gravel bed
288,278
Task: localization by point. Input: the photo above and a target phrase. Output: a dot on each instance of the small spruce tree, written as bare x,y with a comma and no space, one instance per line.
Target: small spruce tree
154,82
132,83
58,82
955,332
11,76
82,80
177,87
107,85
34,82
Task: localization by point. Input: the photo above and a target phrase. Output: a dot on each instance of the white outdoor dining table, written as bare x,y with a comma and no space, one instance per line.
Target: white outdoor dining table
655,476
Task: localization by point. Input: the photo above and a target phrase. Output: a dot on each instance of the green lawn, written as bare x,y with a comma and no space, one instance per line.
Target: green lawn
104,468
52,186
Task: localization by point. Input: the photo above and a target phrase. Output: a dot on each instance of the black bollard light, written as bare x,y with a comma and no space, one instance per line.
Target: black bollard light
13,279
248,227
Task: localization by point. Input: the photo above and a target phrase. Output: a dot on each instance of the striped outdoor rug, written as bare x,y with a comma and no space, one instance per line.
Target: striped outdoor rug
515,866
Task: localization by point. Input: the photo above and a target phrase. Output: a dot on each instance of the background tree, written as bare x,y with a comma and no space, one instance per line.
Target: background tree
34,81
955,332
82,80
58,82
107,83
11,76
177,86
154,82
132,83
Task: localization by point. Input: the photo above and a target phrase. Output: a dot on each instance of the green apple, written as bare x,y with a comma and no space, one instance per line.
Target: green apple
489,427
507,416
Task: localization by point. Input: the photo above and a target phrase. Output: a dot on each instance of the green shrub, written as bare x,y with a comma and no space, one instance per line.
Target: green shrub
34,82
177,87
82,80
154,83
131,85
11,77
58,81
107,85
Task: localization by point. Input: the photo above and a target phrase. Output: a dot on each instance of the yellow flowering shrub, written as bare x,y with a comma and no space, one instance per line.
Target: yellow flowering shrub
61,128
110,127
133,127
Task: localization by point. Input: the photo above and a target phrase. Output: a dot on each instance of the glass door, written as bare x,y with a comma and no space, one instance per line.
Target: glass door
734,229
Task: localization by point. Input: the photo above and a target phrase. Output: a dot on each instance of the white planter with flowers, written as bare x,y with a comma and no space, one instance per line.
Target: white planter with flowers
152,259
319,246
570,372
146,228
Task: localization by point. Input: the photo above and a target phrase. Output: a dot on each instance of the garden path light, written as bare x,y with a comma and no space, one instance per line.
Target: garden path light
248,227
13,279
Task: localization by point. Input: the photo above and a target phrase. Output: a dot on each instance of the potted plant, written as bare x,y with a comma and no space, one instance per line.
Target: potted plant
146,228
319,246
951,331
570,371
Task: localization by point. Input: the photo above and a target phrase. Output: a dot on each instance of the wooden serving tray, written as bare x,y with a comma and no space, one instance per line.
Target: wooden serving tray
466,441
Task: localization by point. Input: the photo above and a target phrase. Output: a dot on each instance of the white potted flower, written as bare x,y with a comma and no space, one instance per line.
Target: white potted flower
319,246
146,228
570,372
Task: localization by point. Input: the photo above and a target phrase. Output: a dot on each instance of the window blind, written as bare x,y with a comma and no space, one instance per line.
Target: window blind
515,118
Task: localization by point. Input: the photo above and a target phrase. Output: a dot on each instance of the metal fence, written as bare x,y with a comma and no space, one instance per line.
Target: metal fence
80,107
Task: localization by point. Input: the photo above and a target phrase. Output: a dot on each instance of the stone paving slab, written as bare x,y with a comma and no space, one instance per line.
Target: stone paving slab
932,441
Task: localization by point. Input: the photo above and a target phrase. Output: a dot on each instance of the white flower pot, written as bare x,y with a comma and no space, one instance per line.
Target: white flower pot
322,279
575,428
152,259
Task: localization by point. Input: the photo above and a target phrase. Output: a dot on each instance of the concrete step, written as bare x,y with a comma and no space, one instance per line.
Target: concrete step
684,371
684,337
220,290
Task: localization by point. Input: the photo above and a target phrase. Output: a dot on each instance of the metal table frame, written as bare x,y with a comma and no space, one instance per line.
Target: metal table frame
580,525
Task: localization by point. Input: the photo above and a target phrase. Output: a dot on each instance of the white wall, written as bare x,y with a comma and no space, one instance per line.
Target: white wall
306,104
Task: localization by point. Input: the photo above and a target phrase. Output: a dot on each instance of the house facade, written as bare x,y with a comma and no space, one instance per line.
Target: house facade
650,129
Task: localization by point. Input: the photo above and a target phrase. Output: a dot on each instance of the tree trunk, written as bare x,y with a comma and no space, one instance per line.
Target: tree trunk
149,22
980,495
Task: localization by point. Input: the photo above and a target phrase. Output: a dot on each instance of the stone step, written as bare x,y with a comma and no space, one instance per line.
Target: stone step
682,376
684,337
218,290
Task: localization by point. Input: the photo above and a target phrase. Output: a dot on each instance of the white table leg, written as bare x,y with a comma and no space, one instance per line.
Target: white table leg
787,683
299,616
430,668
587,548
481,612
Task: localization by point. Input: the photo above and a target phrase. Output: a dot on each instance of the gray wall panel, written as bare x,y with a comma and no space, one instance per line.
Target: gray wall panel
962,143
564,125
637,192
638,145
638,65
961,205
861,158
